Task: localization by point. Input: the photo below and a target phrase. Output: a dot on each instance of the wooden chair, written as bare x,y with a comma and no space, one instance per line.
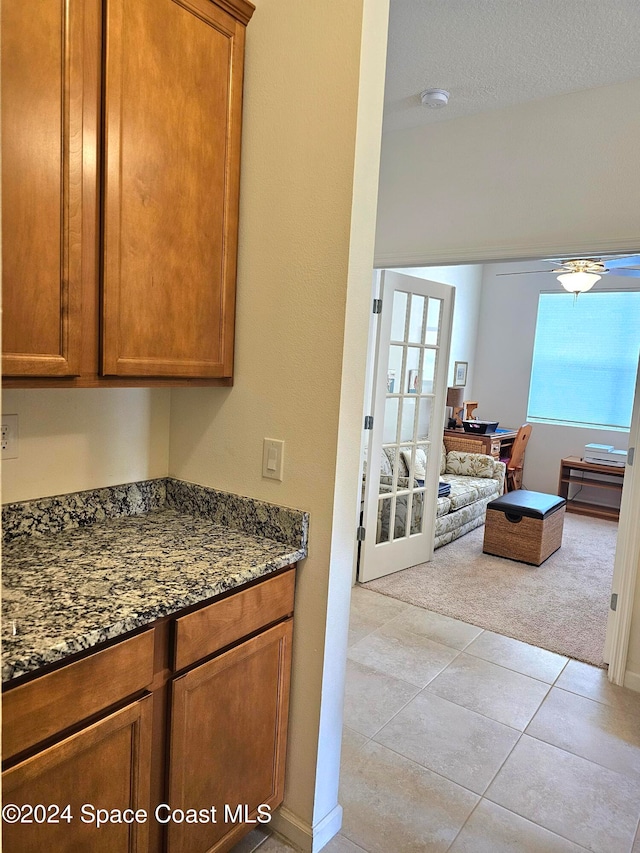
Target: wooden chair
515,462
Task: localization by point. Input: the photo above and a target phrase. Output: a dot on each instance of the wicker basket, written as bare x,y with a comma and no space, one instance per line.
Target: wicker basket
527,540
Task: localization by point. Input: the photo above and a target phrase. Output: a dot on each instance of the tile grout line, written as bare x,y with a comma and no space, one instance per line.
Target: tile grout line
394,715
635,779
568,658
518,671
542,826
463,650
482,796
468,818
479,713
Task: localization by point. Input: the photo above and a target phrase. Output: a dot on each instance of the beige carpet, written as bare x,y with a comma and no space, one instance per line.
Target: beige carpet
561,605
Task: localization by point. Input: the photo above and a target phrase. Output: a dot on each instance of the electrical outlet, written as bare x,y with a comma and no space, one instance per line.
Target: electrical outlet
273,458
9,436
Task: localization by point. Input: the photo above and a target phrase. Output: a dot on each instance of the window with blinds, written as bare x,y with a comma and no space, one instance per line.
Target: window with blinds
585,358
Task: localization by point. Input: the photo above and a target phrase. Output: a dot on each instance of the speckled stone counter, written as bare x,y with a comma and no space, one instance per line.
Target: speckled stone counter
84,568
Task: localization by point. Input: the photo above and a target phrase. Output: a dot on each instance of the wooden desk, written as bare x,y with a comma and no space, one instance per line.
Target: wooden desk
574,470
496,444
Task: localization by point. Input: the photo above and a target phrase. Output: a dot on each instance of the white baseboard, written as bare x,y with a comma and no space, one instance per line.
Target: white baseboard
309,839
632,680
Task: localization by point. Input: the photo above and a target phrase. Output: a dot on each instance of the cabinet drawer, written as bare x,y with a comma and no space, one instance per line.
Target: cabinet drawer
52,703
224,622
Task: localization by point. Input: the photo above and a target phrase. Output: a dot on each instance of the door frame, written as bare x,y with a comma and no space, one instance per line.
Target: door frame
628,542
627,557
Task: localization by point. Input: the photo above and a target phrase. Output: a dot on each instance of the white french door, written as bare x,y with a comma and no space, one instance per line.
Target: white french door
405,440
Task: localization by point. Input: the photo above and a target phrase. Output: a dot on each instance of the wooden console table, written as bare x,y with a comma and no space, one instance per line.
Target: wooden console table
494,444
574,470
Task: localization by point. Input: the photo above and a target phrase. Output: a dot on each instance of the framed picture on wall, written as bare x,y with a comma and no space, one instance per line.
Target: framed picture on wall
460,373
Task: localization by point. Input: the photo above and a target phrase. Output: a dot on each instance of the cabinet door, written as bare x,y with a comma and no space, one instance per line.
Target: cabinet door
48,103
172,123
228,739
107,766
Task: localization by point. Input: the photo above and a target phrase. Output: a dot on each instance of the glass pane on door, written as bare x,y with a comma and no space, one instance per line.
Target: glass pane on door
408,418
416,319
399,316
402,510
391,408
417,512
432,328
428,370
424,417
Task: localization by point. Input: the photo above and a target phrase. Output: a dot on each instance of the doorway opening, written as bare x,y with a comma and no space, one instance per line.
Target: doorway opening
492,334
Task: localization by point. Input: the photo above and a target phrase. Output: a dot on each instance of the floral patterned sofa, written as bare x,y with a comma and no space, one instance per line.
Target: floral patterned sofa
475,479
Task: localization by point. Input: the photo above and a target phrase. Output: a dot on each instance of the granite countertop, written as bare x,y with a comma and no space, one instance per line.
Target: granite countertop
84,568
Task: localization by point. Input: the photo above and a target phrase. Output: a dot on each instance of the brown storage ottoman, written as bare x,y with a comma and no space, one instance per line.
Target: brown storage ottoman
524,526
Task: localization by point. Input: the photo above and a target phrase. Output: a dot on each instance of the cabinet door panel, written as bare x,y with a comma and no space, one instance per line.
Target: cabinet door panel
106,766
228,738
173,106
46,97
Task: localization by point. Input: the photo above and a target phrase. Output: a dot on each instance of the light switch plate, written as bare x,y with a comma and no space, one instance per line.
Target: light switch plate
273,458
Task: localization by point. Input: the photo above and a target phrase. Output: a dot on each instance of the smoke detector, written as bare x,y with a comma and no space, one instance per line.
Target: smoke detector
434,98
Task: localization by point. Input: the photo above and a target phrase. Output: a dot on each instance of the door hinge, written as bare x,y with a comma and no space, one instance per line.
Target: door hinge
377,306
368,421
614,601
360,533
630,453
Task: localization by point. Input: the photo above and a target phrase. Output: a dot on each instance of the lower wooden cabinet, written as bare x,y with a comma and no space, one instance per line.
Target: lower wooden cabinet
228,737
170,721
57,791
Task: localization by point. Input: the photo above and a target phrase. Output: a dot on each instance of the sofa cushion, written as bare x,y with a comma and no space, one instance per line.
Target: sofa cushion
470,464
443,507
463,492
484,487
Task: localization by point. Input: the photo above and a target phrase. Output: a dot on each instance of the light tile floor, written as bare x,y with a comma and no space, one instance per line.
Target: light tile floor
458,739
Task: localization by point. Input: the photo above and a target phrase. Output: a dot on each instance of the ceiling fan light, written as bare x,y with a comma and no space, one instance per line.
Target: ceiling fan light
578,282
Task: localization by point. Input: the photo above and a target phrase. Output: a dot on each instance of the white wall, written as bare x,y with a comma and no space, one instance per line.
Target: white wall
543,179
549,175
503,371
75,439
467,280
311,140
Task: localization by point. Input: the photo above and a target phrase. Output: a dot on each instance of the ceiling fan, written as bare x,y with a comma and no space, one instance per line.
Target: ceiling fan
577,275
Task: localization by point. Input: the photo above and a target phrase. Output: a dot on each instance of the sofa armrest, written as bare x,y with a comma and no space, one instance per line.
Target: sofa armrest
500,470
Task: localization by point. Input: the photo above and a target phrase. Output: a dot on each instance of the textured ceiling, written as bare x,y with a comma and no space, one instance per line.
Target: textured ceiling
491,54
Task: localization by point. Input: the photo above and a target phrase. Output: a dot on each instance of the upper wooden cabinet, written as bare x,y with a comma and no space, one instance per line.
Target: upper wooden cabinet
43,178
121,154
